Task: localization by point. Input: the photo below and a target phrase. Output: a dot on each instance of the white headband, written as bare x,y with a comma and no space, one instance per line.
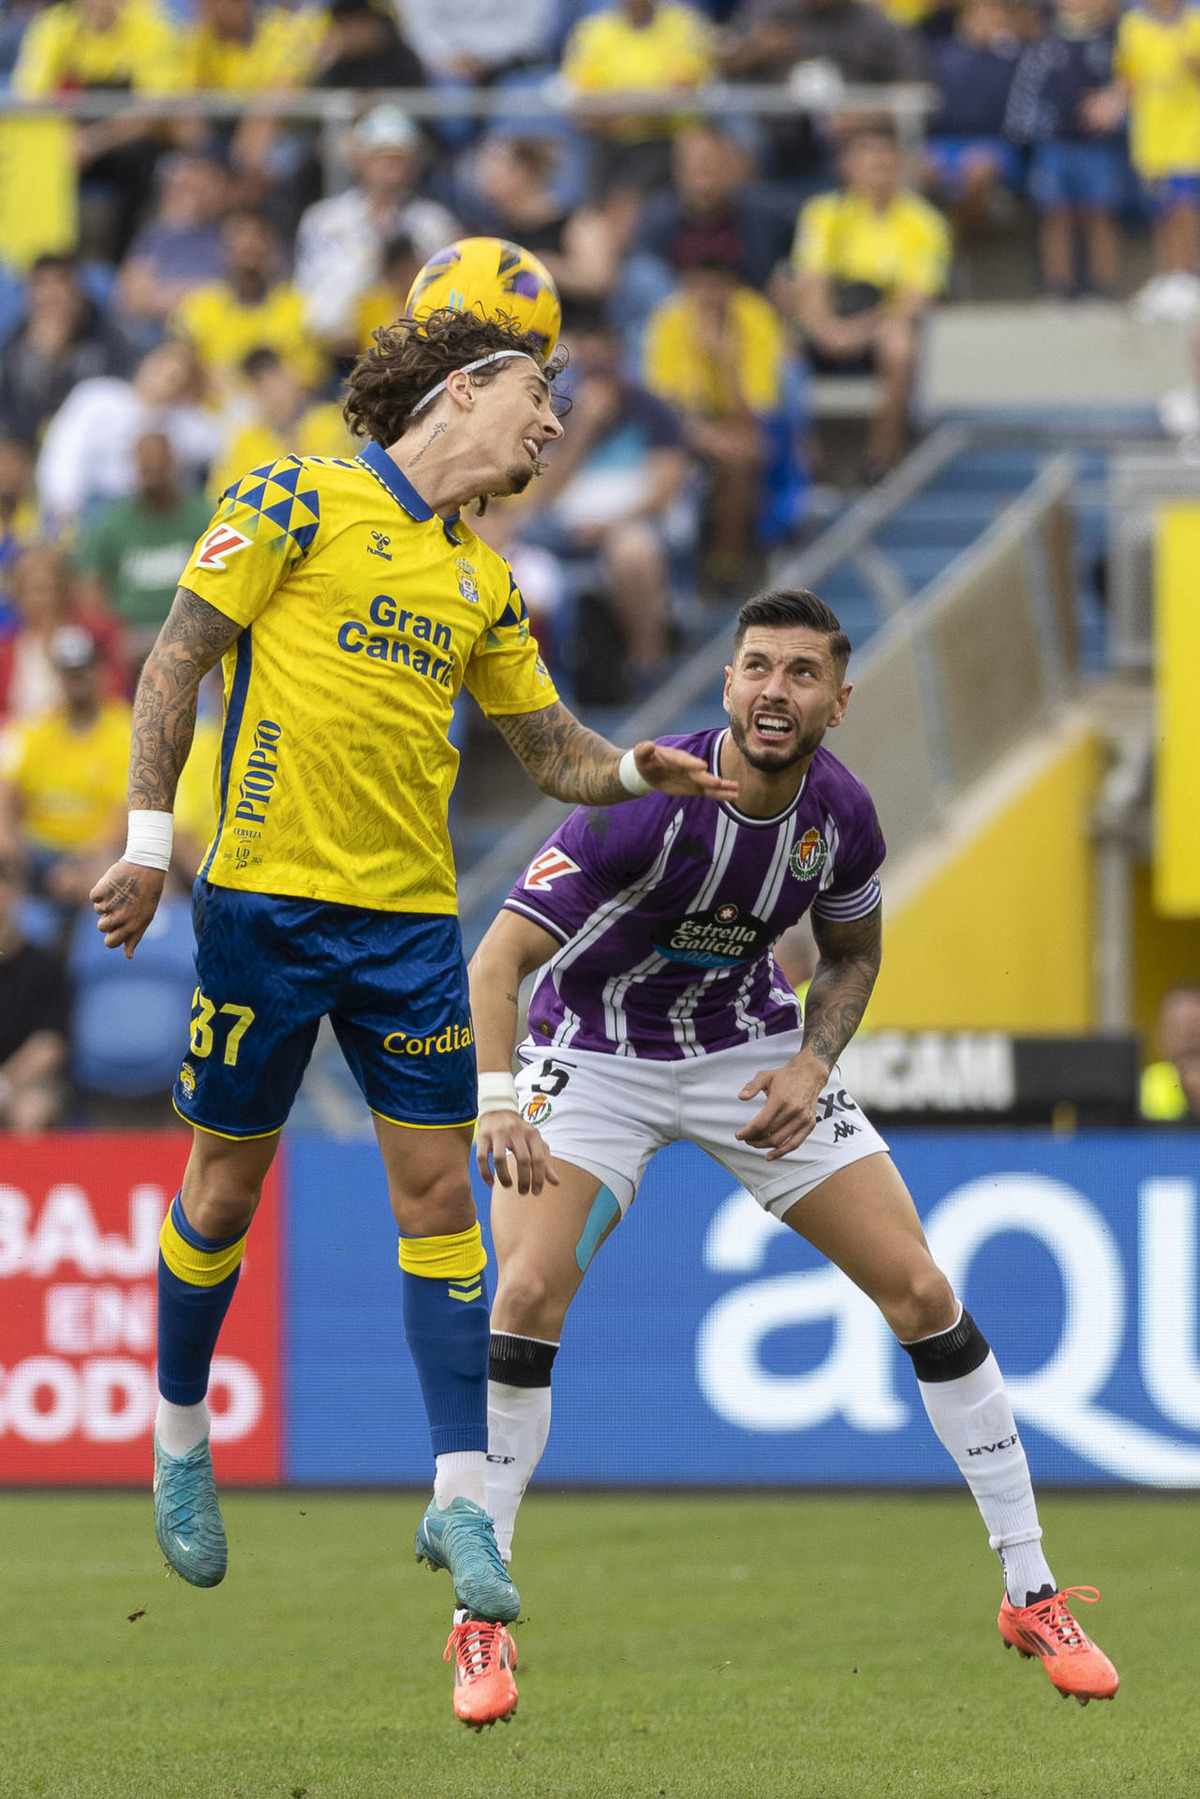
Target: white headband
467,369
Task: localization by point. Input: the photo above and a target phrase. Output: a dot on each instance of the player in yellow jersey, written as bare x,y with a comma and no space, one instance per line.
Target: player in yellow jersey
351,601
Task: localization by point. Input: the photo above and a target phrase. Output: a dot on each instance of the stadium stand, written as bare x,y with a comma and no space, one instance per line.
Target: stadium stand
646,150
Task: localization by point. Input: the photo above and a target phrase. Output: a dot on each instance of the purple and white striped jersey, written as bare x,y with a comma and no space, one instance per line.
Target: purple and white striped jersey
666,910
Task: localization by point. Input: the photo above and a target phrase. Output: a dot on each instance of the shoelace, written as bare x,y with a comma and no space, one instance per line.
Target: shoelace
1055,1614
475,1644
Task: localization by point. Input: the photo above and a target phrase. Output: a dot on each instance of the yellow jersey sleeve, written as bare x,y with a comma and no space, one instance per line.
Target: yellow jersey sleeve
924,259
814,248
264,527
1126,59
505,673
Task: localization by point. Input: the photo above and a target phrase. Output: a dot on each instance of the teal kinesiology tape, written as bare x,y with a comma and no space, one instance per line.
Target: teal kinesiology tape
605,1211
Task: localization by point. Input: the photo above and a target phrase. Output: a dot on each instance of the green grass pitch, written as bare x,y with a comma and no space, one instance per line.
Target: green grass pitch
743,1648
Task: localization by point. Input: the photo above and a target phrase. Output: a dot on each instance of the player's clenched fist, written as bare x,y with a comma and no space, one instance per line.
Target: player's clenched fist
516,1151
124,900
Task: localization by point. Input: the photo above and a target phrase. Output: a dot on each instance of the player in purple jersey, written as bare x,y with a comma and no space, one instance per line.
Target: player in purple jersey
661,1006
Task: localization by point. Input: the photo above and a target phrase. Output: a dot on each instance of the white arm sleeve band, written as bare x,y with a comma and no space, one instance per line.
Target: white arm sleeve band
630,779
151,835
497,1093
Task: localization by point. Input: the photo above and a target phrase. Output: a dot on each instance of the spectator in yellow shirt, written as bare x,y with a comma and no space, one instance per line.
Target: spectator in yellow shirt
717,352
1157,70
78,45
633,46
285,422
62,779
250,309
868,262
237,46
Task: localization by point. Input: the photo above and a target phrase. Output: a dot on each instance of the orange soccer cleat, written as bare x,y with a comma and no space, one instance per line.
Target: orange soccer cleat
1046,1629
484,1658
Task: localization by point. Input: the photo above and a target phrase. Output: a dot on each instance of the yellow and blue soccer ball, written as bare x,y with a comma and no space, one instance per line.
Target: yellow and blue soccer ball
492,277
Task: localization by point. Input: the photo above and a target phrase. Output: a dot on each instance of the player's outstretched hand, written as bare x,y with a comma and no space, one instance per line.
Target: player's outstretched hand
515,1150
124,900
789,1111
678,771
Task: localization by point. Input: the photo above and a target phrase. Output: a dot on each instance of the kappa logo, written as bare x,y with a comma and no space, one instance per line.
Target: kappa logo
222,541
843,1128
380,545
808,855
536,1110
547,868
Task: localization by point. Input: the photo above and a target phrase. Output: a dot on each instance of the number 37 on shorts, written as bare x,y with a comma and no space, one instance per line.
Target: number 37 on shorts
218,1029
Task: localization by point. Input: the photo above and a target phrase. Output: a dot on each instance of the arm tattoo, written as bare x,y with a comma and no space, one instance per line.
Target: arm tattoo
563,757
849,956
194,637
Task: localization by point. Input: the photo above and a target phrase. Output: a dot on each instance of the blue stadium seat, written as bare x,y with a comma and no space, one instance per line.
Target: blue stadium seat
130,1023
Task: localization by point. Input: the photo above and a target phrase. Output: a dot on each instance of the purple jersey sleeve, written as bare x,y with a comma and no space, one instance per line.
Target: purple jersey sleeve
593,856
854,890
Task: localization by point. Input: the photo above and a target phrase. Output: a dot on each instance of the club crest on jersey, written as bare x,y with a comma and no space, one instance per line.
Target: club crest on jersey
536,1110
808,855
546,868
217,544
468,585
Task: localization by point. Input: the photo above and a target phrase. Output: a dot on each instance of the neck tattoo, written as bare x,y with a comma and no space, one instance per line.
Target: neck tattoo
433,435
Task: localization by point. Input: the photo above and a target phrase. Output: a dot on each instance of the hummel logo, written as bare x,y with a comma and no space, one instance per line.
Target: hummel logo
378,546
843,1129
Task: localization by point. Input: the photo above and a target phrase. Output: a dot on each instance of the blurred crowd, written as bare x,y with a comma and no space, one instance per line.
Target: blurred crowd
227,269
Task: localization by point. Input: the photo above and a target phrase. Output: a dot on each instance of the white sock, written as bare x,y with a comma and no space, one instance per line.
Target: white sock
460,1475
974,1420
180,1427
518,1425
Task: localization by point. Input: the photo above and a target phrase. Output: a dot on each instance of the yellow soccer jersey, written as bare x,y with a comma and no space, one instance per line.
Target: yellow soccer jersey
1153,57
904,248
71,784
681,370
364,613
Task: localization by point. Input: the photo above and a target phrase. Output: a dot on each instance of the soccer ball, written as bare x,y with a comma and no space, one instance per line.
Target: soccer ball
490,276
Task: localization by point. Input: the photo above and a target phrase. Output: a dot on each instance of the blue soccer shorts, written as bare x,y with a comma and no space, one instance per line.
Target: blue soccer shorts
393,984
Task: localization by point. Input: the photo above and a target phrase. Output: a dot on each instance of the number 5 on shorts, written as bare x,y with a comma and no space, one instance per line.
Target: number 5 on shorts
203,1013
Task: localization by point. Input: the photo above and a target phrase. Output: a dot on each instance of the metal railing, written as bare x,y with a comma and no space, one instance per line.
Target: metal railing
908,103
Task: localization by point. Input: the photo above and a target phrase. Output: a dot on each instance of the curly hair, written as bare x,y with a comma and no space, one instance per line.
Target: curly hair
408,358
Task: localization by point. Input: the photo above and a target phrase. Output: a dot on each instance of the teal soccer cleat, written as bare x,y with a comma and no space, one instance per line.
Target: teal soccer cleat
187,1518
461,1538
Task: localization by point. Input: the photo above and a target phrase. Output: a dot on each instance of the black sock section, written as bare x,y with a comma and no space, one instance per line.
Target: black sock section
950,1354
520,1361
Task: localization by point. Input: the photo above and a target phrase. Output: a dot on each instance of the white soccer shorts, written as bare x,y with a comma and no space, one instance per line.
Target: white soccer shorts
608,1114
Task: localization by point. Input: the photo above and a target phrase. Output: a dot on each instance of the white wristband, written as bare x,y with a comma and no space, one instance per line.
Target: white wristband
497,1093
630,779
151,835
